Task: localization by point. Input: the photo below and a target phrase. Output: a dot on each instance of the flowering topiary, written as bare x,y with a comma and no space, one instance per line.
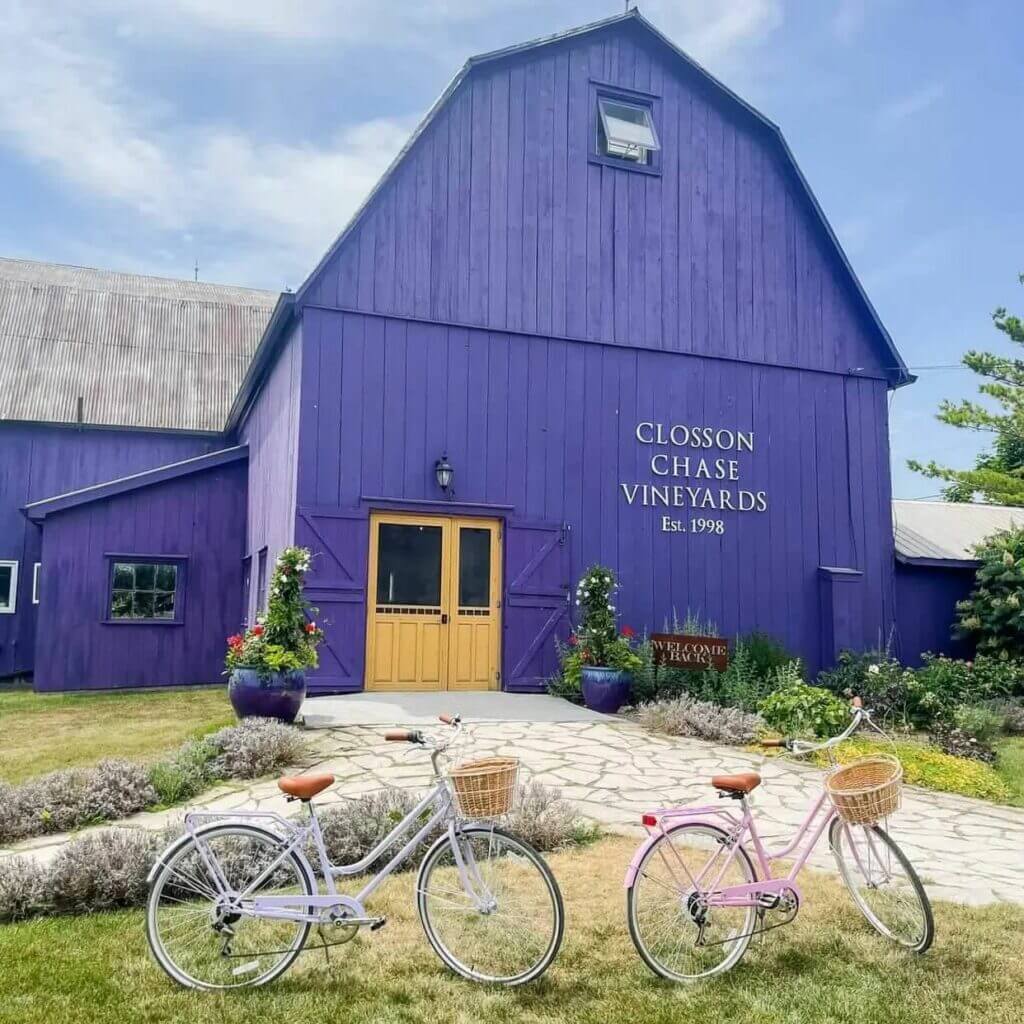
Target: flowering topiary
285,638
597,640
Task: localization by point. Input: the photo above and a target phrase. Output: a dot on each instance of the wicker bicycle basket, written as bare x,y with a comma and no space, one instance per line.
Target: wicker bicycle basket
866,789
486,788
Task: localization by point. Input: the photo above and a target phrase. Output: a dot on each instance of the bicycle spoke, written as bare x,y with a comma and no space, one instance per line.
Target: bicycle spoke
201,938
882,884
669,916
508,922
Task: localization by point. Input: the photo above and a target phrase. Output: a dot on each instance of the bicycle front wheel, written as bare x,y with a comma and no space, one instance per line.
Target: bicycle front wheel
195,933
883,884
674,922
493,913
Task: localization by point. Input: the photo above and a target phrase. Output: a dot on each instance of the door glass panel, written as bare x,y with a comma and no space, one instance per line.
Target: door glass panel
409,565
474,567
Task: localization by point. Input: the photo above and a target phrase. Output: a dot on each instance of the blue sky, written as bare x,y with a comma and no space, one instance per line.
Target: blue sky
242,134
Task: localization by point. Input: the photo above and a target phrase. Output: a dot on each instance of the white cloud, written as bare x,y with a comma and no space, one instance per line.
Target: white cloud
905,107
710,30
243,200
70,112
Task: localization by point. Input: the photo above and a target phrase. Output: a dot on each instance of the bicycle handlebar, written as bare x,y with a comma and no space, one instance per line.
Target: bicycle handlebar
403,736
795,746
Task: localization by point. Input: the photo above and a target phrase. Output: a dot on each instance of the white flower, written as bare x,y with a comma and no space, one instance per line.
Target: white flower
611,607
577,603
874,669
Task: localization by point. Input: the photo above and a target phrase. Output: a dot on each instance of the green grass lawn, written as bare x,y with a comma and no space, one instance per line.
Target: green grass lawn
1010,766
42,732
826,967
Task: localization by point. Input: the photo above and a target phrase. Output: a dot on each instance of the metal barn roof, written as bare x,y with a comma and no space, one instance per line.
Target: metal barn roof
942,531
140,351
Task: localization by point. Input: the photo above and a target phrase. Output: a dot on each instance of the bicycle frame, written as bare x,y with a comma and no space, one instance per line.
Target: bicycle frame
738,828
306,908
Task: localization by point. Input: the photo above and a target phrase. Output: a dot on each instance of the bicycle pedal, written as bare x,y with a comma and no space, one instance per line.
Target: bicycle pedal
378,924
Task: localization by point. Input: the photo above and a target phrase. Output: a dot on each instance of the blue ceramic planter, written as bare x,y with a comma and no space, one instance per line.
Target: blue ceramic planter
606,689
277,695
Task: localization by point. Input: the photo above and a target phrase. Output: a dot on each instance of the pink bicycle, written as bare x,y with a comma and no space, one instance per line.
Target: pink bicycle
692,914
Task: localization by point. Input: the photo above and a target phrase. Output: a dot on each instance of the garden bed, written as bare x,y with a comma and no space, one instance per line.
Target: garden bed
826,967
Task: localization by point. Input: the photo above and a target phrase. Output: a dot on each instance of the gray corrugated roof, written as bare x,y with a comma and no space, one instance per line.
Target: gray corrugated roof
948,531
140,351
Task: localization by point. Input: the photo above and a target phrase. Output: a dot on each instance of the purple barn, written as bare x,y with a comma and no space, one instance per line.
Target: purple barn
594,285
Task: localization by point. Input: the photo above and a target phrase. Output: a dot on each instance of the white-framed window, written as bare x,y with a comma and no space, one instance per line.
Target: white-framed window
35,581
8,587
626,130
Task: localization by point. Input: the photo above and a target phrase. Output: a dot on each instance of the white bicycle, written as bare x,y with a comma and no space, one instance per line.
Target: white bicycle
233,901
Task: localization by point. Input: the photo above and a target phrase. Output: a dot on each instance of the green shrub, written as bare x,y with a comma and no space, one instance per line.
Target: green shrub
185,774
942,684
992,617
979,722
765,652
847,677
924,765
798,709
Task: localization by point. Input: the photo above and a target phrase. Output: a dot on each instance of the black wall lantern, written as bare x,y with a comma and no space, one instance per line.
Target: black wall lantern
445,475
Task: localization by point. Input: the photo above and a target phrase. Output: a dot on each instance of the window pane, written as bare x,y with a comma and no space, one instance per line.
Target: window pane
145,577
628,125
124,577
121,604
474,568
166,577
142,604
6,575
163,606
409,565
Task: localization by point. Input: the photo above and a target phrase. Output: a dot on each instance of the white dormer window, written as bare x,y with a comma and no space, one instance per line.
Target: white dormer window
625,130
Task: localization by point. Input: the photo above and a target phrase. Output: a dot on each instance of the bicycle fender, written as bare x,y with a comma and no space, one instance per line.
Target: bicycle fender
652,838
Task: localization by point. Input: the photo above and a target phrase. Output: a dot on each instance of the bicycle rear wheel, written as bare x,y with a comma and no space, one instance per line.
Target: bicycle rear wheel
883,884
675,931
498,919
191,932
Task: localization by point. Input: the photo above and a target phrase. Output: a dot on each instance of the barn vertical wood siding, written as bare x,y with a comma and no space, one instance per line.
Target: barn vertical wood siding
508,300
271,430
198,517
497,218
544,430
38,461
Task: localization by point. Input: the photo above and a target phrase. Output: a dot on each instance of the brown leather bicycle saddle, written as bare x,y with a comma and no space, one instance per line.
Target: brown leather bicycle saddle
741,782
305,787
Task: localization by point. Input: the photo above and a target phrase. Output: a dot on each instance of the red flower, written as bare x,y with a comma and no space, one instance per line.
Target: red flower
310,627
257,630
235,641
628,632
573,640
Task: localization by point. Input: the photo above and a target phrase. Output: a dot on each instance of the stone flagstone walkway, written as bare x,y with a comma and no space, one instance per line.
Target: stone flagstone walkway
964,850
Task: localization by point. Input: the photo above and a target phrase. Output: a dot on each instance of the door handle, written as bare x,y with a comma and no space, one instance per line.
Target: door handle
444,618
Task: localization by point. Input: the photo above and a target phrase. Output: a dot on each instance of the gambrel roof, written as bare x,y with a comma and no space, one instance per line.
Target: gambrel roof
894,367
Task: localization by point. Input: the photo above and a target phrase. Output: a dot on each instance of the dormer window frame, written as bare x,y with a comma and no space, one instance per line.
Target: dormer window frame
630,97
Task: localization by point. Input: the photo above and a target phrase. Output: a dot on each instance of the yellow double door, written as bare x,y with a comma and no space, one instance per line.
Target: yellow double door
433,616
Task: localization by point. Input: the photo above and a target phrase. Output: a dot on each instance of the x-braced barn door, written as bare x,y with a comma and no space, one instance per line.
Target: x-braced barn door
538,567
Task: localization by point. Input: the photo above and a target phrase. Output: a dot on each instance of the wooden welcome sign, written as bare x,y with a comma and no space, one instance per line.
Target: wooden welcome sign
696,653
